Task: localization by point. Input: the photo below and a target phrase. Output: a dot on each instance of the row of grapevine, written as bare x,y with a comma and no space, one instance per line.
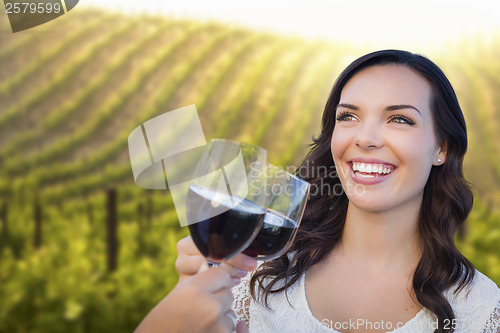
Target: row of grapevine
481,166
25,47
105,110
62,102
79,164
81,37
109,176
81,296
490,82
302,118
482,244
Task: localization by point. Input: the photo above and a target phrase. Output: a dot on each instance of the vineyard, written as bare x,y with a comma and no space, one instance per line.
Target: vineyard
82,248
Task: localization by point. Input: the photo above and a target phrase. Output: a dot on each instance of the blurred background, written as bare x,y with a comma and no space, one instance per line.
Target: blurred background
82,248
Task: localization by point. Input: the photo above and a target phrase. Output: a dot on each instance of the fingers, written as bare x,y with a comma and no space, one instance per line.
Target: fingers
203,267
240,265
231,320
204,299
189,258
187,246
202,303
189,261
215,279
216,282
224,299
243,261
226,322
242,327
189,264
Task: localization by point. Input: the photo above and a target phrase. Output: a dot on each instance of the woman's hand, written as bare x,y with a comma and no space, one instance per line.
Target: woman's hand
201,301
190,261
199,304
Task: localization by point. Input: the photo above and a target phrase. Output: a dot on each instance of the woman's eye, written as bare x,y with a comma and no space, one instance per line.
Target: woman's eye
346,116
401,120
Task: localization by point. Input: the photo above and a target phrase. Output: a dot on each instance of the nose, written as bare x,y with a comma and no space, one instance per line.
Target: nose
369,137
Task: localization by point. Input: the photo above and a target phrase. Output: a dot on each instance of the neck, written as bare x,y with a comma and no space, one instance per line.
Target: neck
382,241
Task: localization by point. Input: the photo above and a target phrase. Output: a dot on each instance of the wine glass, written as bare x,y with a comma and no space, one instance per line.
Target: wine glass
286,203
226,201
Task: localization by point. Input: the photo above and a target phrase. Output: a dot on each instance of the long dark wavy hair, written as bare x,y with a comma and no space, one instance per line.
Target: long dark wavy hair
447,199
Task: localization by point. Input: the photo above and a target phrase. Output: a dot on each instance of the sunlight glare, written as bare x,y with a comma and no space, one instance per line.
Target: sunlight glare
356,21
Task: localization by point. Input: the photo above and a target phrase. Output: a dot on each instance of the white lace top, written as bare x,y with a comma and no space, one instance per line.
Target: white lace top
477,312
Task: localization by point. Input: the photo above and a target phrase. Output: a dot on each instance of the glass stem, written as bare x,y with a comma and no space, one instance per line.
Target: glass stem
212,264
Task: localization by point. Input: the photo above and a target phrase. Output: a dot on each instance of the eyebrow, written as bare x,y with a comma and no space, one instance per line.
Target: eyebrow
388,108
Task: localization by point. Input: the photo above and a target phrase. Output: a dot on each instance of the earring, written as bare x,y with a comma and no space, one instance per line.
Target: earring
439,160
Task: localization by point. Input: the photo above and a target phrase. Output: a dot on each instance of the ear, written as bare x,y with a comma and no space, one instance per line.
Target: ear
441,155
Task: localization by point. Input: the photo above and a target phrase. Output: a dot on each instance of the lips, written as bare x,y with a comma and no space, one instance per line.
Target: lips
370,171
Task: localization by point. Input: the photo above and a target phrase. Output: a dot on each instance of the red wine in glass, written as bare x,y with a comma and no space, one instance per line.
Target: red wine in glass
226,201
224,235
274,237
287,200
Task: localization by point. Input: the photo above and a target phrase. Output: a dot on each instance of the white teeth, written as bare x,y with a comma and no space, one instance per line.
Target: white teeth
371,168
364,175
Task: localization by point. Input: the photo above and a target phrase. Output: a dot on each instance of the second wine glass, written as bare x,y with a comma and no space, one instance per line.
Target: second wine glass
287,198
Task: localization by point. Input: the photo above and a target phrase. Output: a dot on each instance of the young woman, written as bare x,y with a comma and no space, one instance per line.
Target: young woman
380,255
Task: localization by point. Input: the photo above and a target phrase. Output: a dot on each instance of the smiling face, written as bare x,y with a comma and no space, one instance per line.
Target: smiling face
384,144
